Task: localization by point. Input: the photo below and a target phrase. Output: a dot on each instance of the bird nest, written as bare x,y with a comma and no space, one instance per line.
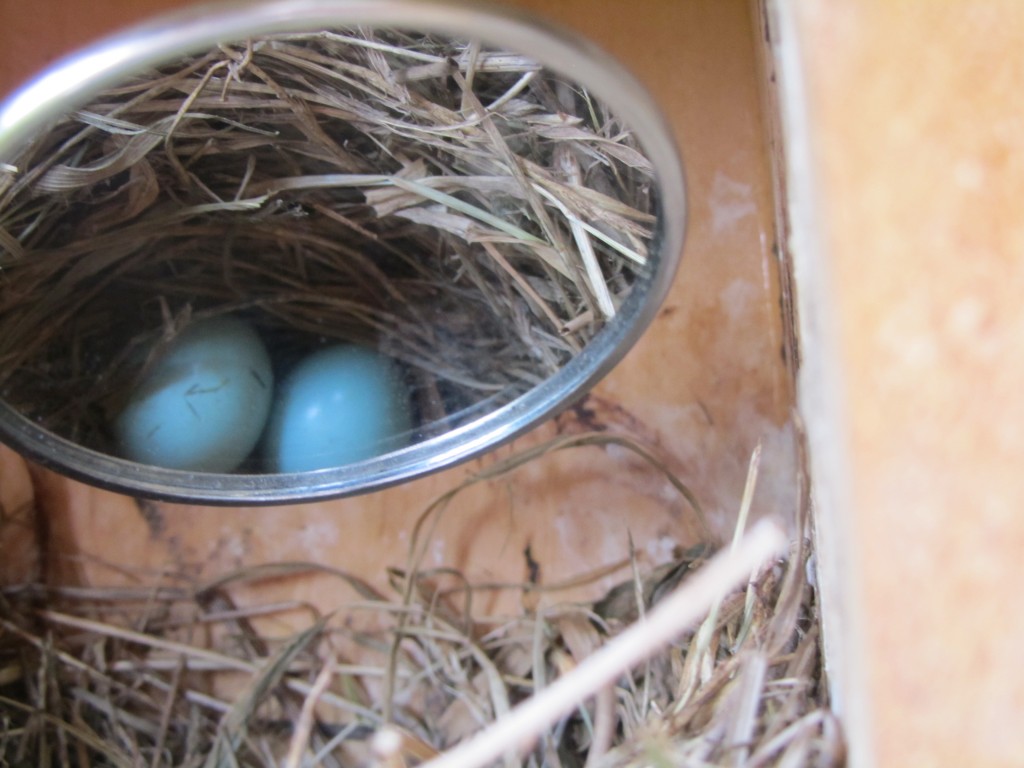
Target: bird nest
711,659
462,209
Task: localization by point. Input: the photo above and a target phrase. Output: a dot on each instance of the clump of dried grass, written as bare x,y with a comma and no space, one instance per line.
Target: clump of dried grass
637,678
464,210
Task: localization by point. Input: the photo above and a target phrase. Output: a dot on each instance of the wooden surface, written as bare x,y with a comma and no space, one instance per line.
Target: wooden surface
916,129
703,386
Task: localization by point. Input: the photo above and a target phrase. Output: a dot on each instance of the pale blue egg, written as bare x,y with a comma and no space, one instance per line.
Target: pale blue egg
338,406
203,405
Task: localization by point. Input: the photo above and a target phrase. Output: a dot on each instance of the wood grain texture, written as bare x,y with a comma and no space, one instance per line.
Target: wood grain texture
918,132
703,386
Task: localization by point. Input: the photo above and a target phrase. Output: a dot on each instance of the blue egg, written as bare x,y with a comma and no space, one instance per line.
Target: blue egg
203,405
338,406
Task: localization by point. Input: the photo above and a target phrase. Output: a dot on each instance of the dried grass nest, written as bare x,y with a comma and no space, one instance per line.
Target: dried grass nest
466,211
137,677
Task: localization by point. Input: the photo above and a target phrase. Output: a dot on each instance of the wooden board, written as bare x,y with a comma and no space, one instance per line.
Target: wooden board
908,130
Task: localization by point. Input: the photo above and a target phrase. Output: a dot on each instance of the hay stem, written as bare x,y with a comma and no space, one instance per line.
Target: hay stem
167,712
307,716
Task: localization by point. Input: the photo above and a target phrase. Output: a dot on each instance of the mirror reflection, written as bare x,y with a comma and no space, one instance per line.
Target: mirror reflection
303,250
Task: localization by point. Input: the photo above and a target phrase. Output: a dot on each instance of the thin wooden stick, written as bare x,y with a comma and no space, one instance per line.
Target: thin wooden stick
671,617
604,726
